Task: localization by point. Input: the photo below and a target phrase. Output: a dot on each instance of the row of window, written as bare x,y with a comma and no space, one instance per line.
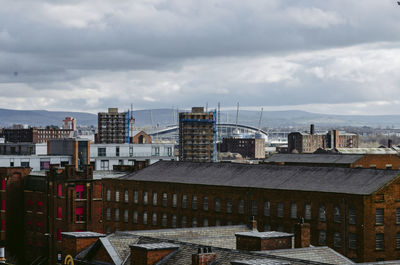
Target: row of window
229,205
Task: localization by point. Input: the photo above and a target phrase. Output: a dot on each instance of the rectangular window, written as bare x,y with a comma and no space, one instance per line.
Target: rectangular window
397,215
79,191
108,214
154,220
336,214
130,150
39,206
164,199
117,195
59,190
164,220
108,195
104,165
24,164
174,200
380,241
135,217
184,201
205,203
183,222
155,198
59,234
217,206
117,151
145,218
254,208
322,213
205,222
379,216
145,199
307,211
44,165
241,207
135,197
293,211
194,202
101,151
79,214
169,151
174,221
337,240
59,212
279,209
267,208
352,241
126,216
398,240
352,216
322,238
229,206
126,196
116,215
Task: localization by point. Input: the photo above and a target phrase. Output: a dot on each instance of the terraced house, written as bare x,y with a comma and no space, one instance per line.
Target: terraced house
354,211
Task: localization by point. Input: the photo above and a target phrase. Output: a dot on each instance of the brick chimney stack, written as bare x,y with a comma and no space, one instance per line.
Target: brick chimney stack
259,241
302,235
150,254
75,242
204,256
390,143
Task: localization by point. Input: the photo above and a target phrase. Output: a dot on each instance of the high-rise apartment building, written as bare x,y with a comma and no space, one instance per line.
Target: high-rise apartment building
113,127
197,132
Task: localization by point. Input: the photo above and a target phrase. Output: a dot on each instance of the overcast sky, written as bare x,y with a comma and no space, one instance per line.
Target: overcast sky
337,56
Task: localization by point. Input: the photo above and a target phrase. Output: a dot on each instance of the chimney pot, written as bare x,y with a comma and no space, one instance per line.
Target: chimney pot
205,258
312,129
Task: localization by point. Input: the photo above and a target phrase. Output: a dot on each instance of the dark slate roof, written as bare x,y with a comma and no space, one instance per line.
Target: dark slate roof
301,178
314,158
269,234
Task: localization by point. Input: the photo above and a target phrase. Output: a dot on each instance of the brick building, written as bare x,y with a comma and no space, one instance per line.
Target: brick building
197,132
11,203
195,246
380,161
354,211
302,142
63,200
35,135
113,127
250,148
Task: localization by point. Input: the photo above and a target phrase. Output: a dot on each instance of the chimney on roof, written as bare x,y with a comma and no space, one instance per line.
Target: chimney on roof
150,254
302,234
75,242
259,241
312,130
204,256
390,143
254,225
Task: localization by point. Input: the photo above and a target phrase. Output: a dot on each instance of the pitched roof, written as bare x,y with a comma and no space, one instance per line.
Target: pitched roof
314,158
118,245
300,178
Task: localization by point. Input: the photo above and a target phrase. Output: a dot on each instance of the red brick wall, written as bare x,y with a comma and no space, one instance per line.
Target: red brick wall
259,244
286,223
148,257
380,161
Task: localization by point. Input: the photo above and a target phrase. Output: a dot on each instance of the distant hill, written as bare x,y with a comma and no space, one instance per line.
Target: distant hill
163,117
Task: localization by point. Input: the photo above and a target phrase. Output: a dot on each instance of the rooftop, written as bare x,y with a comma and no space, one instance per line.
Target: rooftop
271,234
314,158
299,178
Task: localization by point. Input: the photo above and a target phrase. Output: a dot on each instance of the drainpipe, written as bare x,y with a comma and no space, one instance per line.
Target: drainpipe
344,227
